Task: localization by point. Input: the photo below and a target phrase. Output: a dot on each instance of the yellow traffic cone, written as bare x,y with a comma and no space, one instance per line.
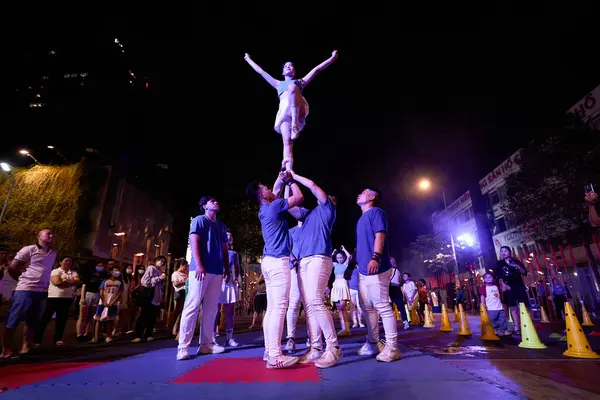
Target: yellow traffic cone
414,316
487,331
456,318
544,319
529,337
463,324
428,323
577,344
396,313
446,327
587,321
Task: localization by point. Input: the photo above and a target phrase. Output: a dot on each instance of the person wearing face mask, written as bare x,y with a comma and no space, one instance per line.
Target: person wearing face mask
91,278
153,282
107,310
123,319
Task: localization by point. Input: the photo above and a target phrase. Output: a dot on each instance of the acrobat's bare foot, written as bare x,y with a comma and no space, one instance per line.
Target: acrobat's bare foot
287,164
295,132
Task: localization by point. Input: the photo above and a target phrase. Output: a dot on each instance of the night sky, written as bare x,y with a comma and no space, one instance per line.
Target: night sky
411,94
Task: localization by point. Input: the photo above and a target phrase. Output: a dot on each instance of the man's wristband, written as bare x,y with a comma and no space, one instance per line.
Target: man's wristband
376,256
290,182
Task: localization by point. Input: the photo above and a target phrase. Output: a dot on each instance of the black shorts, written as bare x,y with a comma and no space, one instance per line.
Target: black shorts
260,303
514,296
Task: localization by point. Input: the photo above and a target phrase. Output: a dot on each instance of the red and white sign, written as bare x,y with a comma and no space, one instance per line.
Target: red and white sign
459,204
588,108
496,178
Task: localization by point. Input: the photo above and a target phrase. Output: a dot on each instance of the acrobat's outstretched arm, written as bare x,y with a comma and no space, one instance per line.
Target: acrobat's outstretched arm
313,187
272,81
309,77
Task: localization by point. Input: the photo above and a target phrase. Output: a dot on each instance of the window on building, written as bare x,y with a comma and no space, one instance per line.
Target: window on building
500,226
494,197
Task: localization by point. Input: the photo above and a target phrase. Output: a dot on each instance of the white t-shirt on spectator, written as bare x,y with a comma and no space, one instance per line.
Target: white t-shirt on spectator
36,277
55,291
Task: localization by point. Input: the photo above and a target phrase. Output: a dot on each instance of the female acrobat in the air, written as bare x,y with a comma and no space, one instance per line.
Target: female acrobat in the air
293,107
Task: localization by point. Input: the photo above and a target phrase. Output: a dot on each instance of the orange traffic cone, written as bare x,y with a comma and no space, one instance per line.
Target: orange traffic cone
463,324
446,327
587,321
456,318
487,330
577,344
529,336
427,314
414,316
544,318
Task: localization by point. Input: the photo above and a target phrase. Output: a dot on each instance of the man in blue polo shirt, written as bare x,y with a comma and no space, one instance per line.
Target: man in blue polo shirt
208,267
313,249
275,266
374,267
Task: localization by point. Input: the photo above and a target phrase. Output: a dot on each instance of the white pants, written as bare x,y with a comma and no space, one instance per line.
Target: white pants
374,291
357,312
276,272
206,292
313,277
294,305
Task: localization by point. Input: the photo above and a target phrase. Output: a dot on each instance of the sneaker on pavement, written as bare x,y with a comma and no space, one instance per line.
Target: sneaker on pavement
211,348
108,339
149,339
290,345
280,362
308,342
355,325
183,354
344,332
406,325
370,349
266,355
329,358
361,325
136,340
389,354
310,356
232,343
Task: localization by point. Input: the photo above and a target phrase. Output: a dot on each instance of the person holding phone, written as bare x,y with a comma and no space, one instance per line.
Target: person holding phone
509,272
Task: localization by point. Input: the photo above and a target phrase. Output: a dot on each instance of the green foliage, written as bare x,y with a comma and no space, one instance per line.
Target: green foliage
546,196
43,196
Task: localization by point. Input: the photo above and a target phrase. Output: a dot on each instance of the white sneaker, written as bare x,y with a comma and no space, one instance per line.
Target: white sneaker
232,343
389,354
355,325
280,362
211,348
368,349
361,325
329,358
266,355
406,325
291,345
308,342
183,354
310,356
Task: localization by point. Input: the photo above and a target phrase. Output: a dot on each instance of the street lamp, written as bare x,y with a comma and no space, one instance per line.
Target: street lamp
122,235
57,152
425,185
6,168
28,154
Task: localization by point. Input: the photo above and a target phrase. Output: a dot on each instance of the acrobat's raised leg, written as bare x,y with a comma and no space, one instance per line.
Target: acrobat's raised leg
288,156
295,98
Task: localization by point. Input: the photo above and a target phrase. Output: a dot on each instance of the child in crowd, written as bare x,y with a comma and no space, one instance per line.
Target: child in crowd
490,296
107,310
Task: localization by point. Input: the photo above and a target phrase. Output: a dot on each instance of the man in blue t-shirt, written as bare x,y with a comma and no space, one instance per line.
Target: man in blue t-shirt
208,267
374,267
275,266
313,250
